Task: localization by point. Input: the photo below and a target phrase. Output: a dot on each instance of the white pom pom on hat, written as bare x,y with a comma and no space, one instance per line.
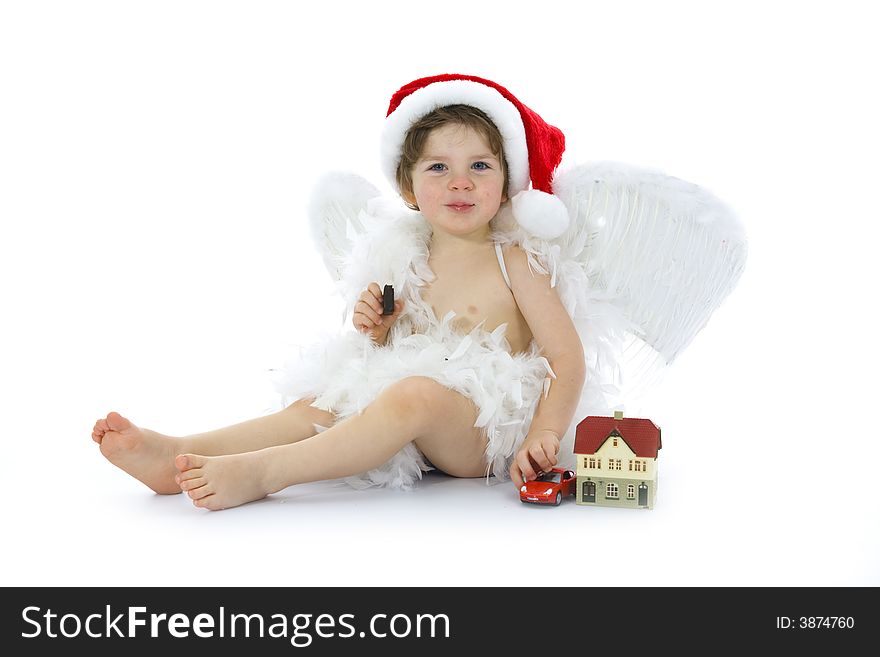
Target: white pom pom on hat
532,147
543,215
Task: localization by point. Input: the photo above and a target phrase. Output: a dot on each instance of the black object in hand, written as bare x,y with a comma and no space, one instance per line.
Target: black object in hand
388,300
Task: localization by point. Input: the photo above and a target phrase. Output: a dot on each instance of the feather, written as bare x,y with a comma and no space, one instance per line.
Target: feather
463,346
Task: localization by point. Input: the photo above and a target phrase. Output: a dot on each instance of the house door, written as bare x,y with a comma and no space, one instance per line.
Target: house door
643,494
588,491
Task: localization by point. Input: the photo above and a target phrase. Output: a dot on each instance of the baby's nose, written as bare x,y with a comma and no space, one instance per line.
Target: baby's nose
461,182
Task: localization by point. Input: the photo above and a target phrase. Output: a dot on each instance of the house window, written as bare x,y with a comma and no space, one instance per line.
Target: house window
638,466
630,491
595,463
611,491
614,464
585,461
630,465
614,442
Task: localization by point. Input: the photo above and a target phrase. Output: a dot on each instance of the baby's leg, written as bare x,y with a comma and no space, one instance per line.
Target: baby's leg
294,423
149,456
439,420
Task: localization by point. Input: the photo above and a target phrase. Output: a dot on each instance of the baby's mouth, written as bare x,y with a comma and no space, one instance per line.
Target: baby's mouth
460,207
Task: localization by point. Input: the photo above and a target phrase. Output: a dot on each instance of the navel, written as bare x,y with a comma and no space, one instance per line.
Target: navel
473,310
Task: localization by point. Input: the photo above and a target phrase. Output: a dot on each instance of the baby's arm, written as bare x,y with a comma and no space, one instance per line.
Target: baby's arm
554,331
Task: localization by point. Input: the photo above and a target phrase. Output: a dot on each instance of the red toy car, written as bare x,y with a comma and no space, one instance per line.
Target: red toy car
549,487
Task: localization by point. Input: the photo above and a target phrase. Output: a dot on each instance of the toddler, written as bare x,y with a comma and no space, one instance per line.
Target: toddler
458,377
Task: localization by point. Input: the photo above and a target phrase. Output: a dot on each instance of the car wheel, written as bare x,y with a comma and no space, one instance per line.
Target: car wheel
558,498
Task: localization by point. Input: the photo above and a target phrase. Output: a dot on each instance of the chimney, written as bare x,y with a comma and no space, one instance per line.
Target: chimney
618,415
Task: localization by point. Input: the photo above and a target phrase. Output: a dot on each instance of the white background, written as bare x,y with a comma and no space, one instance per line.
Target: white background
155,163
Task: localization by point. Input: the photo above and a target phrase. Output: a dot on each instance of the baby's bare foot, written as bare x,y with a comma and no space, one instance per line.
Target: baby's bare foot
144,454
220,482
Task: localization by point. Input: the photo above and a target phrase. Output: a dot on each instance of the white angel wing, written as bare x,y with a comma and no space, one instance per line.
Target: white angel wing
646,260
337,214
665,251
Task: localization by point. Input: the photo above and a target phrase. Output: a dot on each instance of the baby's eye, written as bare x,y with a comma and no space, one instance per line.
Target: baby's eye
436,167
481,166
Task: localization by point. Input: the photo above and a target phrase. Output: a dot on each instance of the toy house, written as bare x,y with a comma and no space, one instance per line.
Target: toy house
616,461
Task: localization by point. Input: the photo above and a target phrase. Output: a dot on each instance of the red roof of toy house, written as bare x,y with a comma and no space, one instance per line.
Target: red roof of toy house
642,436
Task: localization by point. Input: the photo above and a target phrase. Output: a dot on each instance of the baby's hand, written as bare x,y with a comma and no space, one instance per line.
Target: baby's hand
368,317
537,453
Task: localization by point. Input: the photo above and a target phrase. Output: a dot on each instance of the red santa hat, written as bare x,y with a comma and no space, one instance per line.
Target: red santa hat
532,147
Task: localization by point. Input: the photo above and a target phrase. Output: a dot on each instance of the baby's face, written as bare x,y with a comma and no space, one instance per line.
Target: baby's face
458,184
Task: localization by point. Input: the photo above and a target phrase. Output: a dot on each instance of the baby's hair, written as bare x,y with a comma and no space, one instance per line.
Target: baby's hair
462,115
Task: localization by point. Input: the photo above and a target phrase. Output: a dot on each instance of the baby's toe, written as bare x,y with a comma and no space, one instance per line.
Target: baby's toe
192,484
99,430
209,502
200,493
115,422
184,462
